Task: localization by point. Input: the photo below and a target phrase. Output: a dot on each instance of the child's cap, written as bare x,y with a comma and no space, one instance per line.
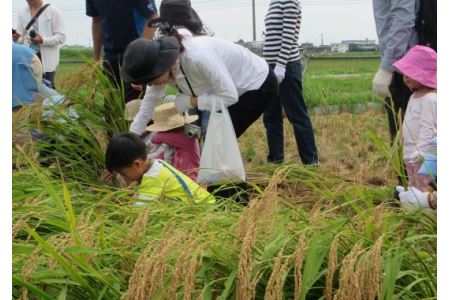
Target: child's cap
420,64
429,166
167,117
131,109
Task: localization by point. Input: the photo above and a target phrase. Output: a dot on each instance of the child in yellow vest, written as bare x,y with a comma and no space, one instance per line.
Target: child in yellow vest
156,179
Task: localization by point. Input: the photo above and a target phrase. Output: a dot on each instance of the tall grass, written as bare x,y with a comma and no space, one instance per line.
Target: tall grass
306,234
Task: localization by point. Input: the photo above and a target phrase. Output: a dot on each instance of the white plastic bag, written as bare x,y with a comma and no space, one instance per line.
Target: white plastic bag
221,158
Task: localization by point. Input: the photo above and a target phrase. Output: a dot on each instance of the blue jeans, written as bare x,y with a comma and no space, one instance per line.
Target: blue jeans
290,97
202,121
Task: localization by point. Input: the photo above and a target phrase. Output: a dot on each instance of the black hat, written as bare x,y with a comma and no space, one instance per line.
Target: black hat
145,60
178,12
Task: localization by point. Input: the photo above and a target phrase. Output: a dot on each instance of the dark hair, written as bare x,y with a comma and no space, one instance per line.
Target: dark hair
194,27
123,149
173,32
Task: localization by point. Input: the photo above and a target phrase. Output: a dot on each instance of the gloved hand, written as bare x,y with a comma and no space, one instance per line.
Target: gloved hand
412,198
169,98
183,102
417,158
381,82
279,71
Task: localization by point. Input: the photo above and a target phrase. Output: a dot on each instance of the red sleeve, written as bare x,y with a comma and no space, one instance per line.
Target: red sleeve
173,139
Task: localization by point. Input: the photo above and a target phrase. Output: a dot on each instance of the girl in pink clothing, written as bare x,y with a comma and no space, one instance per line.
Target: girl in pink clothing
169,130
419,68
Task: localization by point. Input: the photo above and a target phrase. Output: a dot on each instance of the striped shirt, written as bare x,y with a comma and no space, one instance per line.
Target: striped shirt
282,23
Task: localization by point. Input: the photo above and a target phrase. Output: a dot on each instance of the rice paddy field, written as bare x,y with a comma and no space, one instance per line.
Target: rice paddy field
331,232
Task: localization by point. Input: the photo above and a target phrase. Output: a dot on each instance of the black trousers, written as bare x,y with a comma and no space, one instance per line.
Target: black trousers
396,110
111,66
252,104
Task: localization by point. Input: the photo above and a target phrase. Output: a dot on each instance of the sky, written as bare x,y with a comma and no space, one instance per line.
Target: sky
336,20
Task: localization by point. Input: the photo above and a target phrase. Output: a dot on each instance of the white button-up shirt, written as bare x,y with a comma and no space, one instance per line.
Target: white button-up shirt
51,28
215,68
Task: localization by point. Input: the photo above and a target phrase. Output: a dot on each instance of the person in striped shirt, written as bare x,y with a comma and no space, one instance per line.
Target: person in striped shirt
281,51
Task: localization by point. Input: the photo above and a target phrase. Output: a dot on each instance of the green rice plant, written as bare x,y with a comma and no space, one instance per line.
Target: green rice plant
103,260
308,233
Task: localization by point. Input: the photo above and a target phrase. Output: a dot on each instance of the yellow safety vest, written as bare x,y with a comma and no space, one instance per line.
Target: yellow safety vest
163,181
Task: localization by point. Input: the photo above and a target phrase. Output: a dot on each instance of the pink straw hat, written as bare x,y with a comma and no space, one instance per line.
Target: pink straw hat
419,64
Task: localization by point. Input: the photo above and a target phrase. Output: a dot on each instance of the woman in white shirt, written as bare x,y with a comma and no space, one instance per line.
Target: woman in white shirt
204,69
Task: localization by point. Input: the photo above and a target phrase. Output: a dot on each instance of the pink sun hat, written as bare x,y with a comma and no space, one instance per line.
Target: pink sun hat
420,64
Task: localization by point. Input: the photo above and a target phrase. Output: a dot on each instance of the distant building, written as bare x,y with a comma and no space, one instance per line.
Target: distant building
307,47
322,48
241,42
339,47
354,46
256,47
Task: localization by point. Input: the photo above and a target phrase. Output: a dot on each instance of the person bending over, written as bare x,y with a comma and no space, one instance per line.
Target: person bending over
155,179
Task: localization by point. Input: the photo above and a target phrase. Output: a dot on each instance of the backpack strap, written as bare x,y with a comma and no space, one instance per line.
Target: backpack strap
33,20
178,177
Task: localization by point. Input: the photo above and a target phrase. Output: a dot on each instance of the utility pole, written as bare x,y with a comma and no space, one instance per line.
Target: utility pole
254,21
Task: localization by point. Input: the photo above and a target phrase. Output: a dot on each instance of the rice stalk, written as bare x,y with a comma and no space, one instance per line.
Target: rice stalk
151,267
348,283
299,255
138,229
332,263
276,273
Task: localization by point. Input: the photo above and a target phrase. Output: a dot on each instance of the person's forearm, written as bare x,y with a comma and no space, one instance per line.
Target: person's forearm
149,32
97,37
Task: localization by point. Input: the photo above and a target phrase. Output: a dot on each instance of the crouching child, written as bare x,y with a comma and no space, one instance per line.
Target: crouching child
156,179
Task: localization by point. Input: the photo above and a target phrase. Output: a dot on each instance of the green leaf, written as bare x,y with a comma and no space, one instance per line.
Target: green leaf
63,294
230,286
31,287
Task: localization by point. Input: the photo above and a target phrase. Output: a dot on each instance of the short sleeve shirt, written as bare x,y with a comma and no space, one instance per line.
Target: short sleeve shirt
164,181
122,21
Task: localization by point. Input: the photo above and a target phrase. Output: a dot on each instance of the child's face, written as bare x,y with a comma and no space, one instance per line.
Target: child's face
412,84
133,172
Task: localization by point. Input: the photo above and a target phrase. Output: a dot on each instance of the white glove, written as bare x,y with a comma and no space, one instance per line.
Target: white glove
183,102
417,157
412,198
381,82
169,98
279,71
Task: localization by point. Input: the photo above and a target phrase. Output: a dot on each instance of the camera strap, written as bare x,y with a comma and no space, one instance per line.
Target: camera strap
188,83
33,20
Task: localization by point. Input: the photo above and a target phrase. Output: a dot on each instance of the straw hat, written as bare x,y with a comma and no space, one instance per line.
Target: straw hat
167,117
131,109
